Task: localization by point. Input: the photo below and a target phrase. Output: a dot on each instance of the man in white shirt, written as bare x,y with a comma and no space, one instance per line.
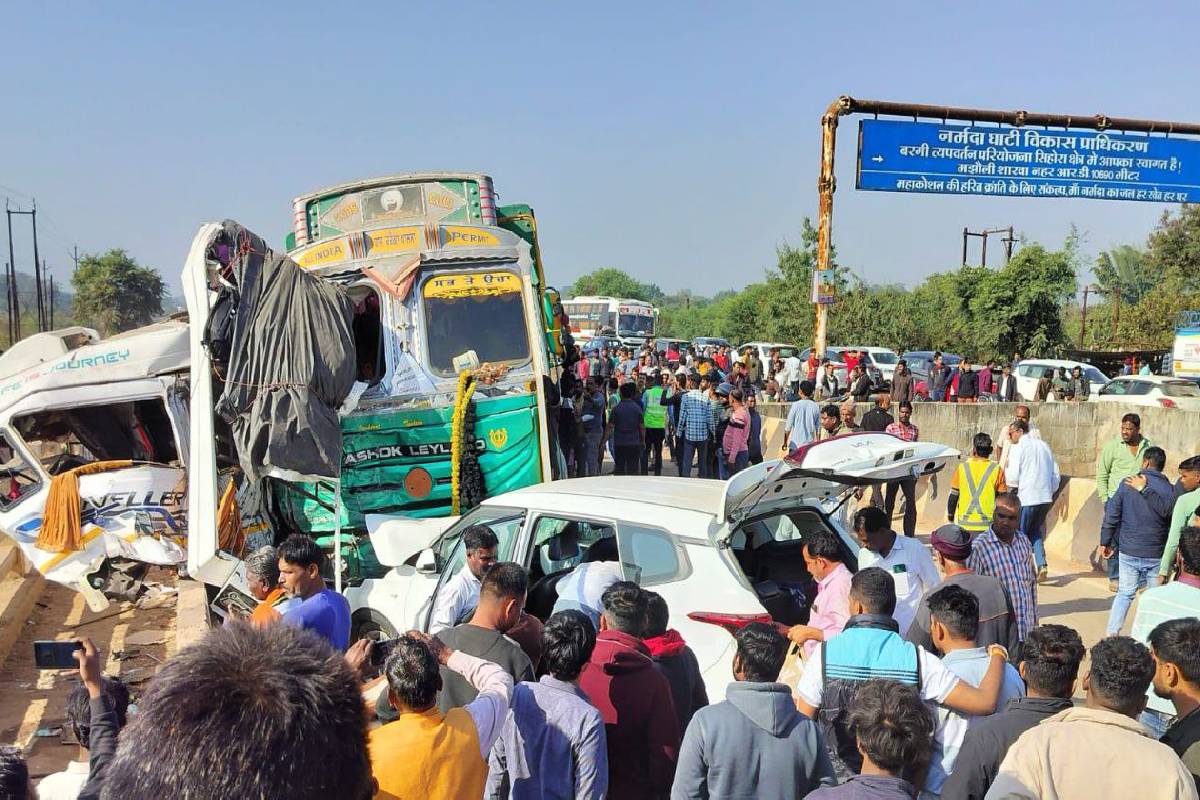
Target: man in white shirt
795,372
583,587
460,594
1033,474
1002,447
905,559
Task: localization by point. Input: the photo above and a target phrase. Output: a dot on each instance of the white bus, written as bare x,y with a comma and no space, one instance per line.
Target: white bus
631,321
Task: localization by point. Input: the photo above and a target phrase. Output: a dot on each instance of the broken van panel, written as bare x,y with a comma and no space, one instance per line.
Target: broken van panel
120,402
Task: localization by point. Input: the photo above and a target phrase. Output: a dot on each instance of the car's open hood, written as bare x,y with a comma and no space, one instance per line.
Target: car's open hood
825,469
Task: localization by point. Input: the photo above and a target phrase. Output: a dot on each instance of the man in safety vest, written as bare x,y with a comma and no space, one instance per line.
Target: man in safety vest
974,487
654,418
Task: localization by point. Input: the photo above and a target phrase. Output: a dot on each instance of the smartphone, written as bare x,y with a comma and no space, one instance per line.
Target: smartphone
380,651
55,655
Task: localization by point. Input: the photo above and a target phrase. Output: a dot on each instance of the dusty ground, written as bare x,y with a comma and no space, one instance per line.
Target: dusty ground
133,640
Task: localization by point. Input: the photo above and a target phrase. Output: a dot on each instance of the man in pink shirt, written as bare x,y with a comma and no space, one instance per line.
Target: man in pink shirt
831,608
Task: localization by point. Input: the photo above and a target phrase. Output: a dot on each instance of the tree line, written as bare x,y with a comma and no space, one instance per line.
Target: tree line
1031,305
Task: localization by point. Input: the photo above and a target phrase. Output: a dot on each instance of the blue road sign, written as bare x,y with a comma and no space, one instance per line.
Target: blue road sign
901,156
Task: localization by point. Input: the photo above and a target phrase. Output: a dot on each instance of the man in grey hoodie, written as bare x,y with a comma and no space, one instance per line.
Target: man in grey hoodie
755,743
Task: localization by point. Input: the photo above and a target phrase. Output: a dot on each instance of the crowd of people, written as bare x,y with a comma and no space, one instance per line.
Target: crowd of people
921,671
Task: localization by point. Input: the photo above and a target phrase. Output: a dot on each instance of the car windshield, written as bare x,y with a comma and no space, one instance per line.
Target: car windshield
884,357
1094,375
1180,389
454,305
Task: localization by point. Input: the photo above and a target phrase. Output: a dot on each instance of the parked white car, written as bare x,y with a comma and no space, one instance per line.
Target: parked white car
880,357
721,554
1152,390
764,349
1030,371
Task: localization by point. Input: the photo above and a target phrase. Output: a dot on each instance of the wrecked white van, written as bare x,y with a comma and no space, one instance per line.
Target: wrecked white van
93,449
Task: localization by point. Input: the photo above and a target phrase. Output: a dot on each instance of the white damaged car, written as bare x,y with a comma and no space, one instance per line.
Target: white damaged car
721,554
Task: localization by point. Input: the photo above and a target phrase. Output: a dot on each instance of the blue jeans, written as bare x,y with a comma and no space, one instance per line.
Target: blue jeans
1135,572
1114,568
740,462
1156,721
1033,523
594,457
693,450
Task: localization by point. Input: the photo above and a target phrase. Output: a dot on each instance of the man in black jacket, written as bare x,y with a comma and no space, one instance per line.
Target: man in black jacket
967,390
1050,667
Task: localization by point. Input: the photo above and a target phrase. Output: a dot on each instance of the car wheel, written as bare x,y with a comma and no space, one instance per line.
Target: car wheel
366,623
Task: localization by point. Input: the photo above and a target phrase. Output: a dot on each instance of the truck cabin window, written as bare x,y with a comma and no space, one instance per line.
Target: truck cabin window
480,312
367,328
62,439
635,325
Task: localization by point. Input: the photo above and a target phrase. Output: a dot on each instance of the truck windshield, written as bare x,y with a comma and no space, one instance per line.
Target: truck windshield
635,324
474,311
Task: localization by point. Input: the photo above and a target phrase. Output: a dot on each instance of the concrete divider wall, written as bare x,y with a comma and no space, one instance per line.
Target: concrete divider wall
1076,432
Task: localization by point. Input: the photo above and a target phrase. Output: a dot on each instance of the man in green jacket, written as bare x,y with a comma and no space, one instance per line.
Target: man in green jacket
1186,506
1121,458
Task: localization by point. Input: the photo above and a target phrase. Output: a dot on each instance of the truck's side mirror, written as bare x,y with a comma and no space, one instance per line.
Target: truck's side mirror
427,562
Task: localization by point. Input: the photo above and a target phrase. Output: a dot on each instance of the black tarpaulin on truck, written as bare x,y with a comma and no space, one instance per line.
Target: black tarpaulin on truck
290,359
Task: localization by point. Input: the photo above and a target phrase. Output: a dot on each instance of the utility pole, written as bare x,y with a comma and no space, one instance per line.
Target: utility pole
51,302
984,234
1083,319
14,302
37,273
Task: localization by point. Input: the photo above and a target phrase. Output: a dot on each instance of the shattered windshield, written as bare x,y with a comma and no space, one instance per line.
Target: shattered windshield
483,312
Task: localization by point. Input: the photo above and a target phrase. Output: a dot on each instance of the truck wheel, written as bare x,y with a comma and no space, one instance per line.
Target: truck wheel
370,624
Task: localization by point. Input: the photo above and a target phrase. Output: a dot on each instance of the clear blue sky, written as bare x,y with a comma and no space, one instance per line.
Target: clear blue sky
678,141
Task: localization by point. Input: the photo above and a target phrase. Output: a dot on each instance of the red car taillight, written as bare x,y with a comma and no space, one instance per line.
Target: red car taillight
1167,402
730,622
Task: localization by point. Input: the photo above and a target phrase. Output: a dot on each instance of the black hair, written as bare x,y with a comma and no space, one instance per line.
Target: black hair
79,708
658,615
761,649
1134,418
568,639
1190,464
1177,641
628,390
603,549
1020,425
625,607
1052,654
1047,373
824,544
1009,498
264,562
14,774
870,519
982,445
246,709
302,551
738,395
875,589
893,726
830,410
413,673
957,609
479,537
1189,549
807,388
905,404
1157,458
1122,669
505,581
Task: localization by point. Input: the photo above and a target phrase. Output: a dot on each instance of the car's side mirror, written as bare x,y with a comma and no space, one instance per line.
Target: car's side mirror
427,562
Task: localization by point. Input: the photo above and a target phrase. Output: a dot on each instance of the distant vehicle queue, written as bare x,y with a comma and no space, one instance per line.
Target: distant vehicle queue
858,372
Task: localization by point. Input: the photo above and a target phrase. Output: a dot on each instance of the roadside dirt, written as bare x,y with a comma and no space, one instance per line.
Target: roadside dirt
133,639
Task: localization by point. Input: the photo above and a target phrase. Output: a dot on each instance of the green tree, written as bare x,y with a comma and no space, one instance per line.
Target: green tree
113,293
610,282
789,314
1125,269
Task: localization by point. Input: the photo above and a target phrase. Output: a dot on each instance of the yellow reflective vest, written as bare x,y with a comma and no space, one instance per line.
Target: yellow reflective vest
977,480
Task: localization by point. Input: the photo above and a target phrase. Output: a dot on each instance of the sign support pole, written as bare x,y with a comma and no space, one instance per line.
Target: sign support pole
845,105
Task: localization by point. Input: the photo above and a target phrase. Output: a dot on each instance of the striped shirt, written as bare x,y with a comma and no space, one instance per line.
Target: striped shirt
695,417
1175,600
1013,565
908,432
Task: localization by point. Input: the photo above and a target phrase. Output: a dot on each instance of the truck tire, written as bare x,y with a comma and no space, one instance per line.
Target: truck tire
370,624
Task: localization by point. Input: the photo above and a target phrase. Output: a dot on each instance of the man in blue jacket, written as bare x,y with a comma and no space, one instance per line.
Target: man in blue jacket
1136,520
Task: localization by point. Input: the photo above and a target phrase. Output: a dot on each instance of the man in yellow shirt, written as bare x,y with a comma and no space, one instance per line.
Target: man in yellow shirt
974,487
427,754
